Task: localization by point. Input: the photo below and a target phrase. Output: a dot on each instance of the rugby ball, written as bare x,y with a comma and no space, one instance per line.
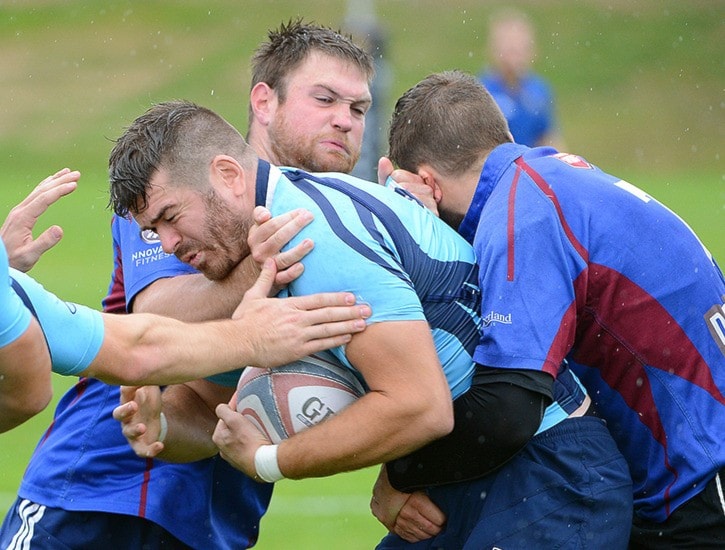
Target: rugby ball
283,401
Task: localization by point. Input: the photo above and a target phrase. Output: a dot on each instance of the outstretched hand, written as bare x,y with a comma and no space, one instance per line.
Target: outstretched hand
17,231
140,416
284,329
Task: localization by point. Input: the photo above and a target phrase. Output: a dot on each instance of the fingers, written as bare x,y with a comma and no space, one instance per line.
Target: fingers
17,228
262,287
224,412
419,519
125,412
44,242
385,169
285,277
292,256
315,302
267,239
49,191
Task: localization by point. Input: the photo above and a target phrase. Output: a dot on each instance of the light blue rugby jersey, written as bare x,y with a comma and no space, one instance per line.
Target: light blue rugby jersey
74,333
14,316
390,252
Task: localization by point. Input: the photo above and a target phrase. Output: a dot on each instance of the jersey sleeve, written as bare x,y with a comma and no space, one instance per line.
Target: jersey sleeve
14,316
73,332
527,271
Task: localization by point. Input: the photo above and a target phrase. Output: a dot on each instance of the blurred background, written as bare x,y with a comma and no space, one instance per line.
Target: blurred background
639,87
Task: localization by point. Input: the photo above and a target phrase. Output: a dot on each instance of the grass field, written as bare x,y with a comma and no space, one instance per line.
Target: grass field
639,84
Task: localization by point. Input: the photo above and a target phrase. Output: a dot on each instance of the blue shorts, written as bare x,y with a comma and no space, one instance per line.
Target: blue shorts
568,488
30,525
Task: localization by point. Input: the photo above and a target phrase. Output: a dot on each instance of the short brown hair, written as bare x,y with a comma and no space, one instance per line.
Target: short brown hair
290,45
448,120
181,137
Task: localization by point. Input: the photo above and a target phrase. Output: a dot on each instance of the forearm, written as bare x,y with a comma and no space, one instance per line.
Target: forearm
189,410
408,405
193,297
371,431
25,387
143,349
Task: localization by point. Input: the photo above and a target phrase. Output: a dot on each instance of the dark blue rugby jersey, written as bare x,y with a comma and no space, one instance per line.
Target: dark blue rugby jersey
587,267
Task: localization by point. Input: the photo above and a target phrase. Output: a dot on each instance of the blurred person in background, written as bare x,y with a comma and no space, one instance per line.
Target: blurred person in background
525,98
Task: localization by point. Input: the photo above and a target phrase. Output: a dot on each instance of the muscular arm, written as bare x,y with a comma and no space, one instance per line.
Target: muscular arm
408,405
25,387
150,349
193,297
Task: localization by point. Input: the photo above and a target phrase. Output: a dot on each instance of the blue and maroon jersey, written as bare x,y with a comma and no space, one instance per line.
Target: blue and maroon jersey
579,265
83,462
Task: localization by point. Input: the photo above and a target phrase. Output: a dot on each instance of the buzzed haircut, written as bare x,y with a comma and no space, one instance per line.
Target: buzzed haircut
288,46
449,121
179,136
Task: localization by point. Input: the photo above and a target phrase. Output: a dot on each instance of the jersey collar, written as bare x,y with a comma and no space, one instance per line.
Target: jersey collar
498,160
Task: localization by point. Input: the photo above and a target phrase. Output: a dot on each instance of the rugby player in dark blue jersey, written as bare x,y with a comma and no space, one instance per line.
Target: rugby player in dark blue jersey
579,266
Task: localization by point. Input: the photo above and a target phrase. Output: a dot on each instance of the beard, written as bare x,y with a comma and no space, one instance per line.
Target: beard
298,150
224,242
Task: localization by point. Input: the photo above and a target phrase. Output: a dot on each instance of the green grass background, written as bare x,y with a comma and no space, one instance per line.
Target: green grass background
639,83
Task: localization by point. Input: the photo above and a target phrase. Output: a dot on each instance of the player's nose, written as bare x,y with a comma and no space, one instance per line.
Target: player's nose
169,238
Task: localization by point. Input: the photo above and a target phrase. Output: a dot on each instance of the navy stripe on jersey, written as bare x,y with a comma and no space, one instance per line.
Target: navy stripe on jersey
20,291
431,278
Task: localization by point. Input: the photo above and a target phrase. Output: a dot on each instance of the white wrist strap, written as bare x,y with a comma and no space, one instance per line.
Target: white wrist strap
265,462
164,427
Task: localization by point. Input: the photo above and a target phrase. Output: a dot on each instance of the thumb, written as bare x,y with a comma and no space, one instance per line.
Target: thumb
385,168
261,215
262,287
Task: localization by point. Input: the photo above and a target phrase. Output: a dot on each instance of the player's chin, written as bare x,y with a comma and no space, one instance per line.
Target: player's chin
336,161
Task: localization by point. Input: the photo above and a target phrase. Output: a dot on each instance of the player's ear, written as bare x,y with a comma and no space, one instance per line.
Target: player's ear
432,179
263,102
227,174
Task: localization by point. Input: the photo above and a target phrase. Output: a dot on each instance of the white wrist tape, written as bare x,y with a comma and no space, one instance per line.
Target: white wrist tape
164,427
265,462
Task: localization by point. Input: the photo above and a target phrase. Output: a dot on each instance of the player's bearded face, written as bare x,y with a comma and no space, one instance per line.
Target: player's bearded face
324,150
223,242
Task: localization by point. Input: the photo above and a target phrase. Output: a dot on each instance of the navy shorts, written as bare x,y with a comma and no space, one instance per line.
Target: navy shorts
569,488
30,525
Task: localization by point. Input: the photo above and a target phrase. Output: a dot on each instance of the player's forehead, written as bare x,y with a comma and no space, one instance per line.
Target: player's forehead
160,197
323,70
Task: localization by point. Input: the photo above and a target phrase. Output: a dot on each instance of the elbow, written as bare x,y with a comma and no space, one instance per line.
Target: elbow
16,411
438,420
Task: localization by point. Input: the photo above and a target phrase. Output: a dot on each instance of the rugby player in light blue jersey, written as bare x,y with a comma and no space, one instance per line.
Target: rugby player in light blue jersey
588,269
187,175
